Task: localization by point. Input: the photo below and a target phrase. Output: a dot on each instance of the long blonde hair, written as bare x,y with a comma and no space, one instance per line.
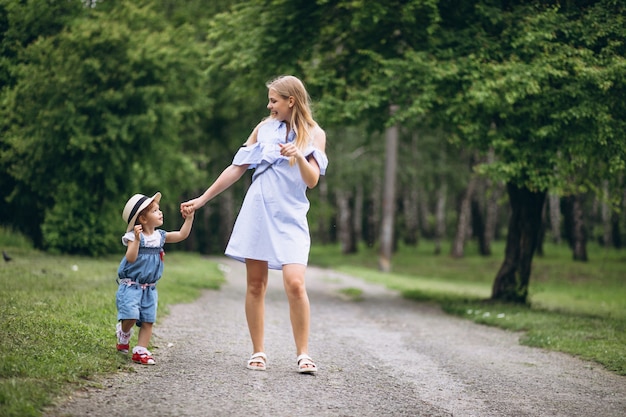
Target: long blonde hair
301,121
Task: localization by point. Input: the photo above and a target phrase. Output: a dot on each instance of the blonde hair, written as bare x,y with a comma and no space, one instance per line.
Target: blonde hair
301,121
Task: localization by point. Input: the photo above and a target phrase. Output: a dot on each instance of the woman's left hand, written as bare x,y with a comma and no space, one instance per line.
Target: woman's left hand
289,150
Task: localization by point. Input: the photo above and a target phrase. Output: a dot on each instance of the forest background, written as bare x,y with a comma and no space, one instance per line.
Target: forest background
445,119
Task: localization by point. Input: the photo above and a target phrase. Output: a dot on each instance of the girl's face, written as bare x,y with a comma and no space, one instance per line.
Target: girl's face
153,217
279,107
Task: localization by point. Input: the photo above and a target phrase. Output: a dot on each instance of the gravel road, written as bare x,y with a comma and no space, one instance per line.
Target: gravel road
382,356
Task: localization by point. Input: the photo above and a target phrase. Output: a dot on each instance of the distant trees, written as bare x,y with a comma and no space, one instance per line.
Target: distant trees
494,102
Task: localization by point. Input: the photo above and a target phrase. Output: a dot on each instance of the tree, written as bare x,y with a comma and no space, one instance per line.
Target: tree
97,114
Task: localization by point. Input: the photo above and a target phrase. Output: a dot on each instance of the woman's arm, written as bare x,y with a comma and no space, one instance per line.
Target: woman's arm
309,168
227,178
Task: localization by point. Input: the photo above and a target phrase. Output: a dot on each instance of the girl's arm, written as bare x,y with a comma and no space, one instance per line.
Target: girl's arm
183,233
132,250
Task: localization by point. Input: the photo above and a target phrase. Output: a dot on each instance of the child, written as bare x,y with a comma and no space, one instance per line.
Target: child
140,270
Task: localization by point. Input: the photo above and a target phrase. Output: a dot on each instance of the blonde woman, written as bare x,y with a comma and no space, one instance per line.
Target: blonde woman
287,152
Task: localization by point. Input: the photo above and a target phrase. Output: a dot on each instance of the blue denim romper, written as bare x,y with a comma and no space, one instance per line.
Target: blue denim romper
137,296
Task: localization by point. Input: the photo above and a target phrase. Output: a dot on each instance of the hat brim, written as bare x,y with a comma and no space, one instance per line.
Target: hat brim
131,222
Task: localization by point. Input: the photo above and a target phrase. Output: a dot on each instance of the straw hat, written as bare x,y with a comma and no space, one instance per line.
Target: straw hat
134,206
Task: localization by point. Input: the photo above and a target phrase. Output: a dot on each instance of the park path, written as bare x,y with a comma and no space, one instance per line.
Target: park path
381,356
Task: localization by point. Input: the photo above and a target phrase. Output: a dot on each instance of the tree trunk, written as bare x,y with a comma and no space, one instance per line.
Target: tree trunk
478,226
579,232
357,219
616,233
575,227
511,283
440,216
607,226
373,214
492,214
425,227
542,232
411,219
344,225
555,218
389,197
463,222
323,223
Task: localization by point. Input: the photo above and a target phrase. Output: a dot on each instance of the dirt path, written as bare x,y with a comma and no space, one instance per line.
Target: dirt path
383,356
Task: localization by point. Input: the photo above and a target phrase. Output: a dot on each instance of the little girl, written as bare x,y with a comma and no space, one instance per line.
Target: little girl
140,269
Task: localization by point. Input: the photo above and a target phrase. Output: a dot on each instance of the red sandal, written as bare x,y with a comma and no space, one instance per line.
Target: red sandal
144,358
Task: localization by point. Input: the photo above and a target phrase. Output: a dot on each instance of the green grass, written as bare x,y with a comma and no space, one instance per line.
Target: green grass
575,307
58,315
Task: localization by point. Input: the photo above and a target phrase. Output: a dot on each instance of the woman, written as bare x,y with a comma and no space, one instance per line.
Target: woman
286,150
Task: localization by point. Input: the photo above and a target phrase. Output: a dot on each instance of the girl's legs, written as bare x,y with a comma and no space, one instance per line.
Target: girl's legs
127,325
299,308
145,333
256,274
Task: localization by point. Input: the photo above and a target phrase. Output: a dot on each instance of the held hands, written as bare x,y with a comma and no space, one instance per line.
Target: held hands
187,211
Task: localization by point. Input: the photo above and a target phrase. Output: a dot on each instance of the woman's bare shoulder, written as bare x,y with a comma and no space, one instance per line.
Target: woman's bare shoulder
319,137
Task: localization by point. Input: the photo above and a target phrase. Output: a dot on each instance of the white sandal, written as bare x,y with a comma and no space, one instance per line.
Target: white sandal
257,358
304,360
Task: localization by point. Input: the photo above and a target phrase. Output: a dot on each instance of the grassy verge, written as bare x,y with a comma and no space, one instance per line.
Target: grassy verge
577,308
57,320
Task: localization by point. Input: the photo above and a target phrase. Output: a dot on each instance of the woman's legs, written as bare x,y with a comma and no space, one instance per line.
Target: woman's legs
299,308
256,274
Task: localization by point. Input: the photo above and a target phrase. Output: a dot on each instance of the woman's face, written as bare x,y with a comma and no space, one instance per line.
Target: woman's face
279,107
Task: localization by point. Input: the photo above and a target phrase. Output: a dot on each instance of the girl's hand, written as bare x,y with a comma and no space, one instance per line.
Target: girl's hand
187,212
137,230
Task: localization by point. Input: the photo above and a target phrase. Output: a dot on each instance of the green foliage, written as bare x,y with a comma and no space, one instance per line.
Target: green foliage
98,113
57,321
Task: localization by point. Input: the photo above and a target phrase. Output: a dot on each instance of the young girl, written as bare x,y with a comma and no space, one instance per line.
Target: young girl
140,269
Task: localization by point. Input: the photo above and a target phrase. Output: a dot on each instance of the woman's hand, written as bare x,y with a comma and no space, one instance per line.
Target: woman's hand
289,149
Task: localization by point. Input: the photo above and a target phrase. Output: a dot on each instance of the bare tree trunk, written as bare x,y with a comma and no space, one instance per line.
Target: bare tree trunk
410,197
440,216
512,280
579,231
411,219
357,218
477,215
323,223
424,213
344,225
616,235
389,196
607,226
494,191
555,218
542,232
373,214
463,221
575,231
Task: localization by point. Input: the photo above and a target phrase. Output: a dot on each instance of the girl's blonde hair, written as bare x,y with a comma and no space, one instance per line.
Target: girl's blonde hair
301,121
